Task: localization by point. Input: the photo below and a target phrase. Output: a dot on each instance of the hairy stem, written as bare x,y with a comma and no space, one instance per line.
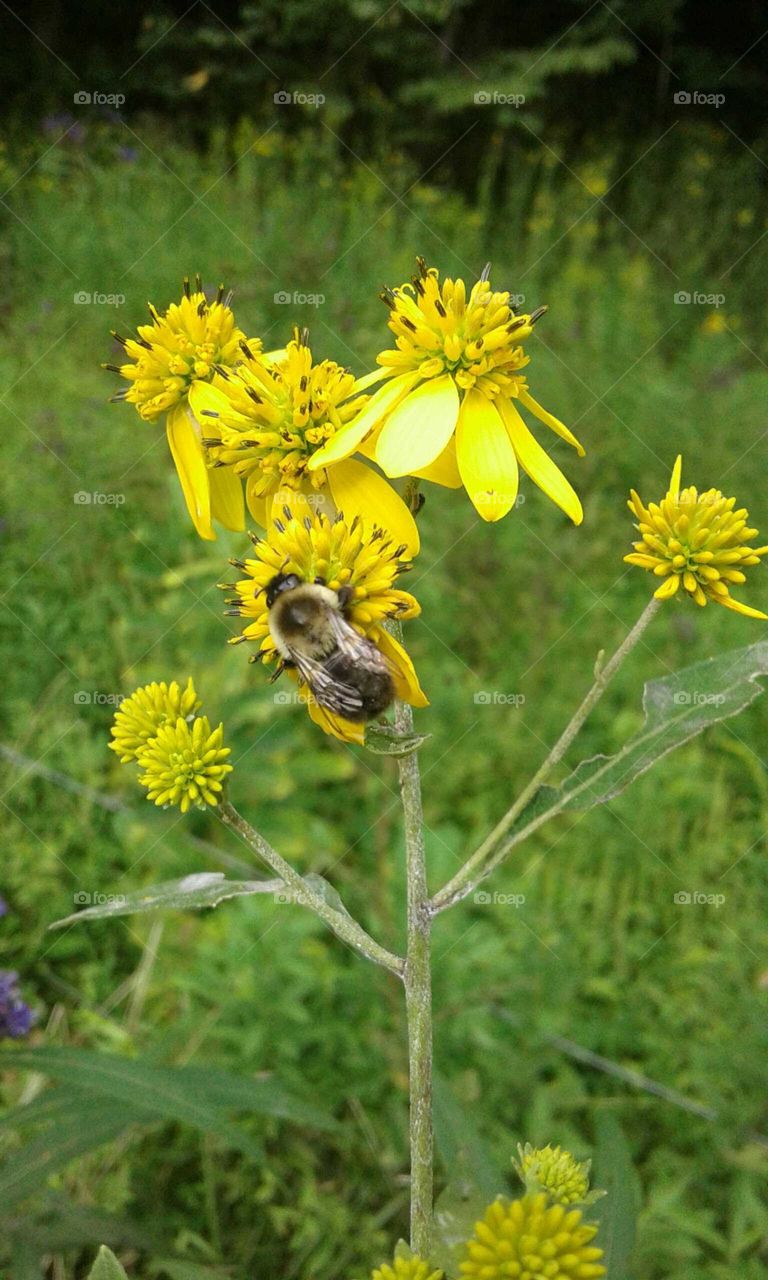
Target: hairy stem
340,922
418,995
489,854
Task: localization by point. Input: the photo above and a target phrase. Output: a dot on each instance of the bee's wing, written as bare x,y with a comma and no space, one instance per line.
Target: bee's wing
327,690
354,646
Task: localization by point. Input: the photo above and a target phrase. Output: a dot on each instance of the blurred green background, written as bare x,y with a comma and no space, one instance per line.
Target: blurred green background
600,194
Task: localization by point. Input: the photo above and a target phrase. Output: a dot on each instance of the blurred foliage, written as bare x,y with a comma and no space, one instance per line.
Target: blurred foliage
98,597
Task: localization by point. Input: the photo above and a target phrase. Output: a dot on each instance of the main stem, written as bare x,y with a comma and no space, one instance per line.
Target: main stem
418,995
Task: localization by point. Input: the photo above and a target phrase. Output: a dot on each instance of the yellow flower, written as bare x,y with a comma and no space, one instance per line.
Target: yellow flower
448,410
171,355
272,416
695,541
139,717
340,554
555,1171
414,1268
532,1239
184,764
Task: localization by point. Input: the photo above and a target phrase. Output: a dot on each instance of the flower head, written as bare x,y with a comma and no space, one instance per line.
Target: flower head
139,717
272,415
448,410
413,1268
184,764
16,1017
340,555
555,1171
181,348
532,1238
697,542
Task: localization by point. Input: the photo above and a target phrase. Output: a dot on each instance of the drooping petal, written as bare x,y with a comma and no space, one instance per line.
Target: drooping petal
417,431
344,730
368,380
188,455
538,464
444,470
358,490
347,440
486,457
406,682
738,607
227,504
550,421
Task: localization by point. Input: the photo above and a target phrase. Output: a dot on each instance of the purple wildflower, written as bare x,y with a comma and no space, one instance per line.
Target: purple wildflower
16,1017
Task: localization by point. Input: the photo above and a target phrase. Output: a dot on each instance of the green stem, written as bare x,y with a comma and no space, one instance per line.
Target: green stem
489,855
418,995
340,922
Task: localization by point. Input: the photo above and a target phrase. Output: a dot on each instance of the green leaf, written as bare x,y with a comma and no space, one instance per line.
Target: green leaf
615,1172
81,1127
202,889
106,1266
677,708
384,740
463,1151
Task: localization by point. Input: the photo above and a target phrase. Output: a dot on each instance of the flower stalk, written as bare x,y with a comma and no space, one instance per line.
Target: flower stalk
493,850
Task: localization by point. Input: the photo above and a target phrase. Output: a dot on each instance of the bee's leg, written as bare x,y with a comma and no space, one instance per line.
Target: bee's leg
279,669
346,595
321,582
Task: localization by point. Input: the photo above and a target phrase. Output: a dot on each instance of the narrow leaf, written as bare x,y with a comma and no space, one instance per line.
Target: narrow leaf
615,1173
384,740
106,1266
202,889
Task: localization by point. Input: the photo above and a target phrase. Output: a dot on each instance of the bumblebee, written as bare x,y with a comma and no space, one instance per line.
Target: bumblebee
343,670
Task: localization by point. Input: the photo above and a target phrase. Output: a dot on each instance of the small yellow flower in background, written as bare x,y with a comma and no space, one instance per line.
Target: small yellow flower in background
139,717
532,1238
714,322
271,416
555,1171
184,764
340,554
414,1268
178,350
448,410
697,542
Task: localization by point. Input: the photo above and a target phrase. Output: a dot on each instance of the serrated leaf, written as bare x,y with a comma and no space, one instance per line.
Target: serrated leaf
618,1212
106,1266
384,740
193,892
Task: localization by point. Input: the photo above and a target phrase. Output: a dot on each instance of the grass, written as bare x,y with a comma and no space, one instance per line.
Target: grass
99,598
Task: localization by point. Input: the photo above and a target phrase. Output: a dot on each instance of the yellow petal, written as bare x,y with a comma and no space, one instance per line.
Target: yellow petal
260,508
538,464
274,357
674,484
227,504
445,469
368,380
344,730
738,607
486,457
205,400
407,687
419,428
302,502
347,440
358,490
187,451
668,588
550,421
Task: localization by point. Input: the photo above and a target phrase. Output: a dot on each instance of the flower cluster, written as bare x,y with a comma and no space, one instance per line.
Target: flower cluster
697,542
343,557
181,758
16,1017
535,1237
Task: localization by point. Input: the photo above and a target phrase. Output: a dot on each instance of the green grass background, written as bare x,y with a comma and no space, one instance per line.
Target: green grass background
102,598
